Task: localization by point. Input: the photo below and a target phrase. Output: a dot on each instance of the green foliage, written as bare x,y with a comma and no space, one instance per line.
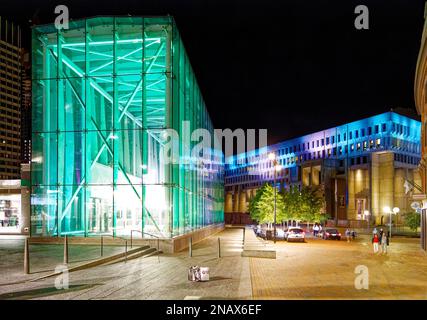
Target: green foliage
261,207
412,220
304,205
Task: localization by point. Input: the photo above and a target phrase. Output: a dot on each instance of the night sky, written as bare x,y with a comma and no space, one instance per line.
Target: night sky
293,67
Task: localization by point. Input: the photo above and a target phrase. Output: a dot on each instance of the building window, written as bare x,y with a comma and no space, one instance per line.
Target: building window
356,134
363,132
370,130
350,136
327,140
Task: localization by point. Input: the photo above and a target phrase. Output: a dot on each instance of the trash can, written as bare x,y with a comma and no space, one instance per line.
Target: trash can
269,235
194,273
204,273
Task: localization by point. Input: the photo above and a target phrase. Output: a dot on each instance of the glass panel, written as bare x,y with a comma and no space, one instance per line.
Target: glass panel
71,213
128,208
44,108
71,158
101,46
99,209
44,163
99,157
44,201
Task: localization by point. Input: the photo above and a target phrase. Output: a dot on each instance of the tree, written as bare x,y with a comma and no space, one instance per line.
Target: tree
312,205
412,220
305,205
261,207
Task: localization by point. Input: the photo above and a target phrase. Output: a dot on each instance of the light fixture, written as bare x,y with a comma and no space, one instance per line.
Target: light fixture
396,210
271,156
386,209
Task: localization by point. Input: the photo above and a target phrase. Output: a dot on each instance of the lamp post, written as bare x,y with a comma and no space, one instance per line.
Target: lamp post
388,210
277,168
395,211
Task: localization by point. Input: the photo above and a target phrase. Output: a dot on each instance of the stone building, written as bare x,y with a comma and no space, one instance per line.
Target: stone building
359,167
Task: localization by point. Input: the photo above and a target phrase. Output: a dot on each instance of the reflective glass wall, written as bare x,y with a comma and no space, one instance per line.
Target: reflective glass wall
106,94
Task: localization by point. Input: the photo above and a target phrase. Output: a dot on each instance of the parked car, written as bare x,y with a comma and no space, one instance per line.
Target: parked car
295,234
329,234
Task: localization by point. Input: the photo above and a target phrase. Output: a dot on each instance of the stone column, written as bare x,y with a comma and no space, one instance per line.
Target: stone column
351,209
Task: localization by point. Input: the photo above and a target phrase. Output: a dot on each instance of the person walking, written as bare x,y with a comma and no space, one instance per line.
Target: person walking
375,242
347,234
315,230
384,243
374,231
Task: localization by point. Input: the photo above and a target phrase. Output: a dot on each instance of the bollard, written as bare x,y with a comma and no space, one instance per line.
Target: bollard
102,246
190,247
131,242
219,248
126,251
244,234
66,249
27,256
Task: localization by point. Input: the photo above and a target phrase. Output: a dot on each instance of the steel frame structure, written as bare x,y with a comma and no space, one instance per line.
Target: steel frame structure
104,93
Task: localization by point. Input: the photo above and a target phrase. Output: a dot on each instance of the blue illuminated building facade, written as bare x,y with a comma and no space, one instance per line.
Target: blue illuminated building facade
359,167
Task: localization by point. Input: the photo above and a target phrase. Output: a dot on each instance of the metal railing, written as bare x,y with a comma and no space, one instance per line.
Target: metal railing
114,237
142,234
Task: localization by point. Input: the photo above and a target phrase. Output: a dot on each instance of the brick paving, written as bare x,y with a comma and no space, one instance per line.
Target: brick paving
322,269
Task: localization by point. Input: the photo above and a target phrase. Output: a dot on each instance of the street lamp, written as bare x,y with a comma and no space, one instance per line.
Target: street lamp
395,211
388,210
277,168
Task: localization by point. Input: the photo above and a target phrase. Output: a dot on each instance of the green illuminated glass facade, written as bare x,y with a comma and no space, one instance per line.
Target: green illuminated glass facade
105,93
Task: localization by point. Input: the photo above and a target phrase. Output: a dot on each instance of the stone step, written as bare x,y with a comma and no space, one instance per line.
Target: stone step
145,253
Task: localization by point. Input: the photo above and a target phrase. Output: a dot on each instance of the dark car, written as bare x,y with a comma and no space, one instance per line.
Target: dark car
329,234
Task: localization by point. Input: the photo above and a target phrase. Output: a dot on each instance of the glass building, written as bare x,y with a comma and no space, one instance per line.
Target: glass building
107,92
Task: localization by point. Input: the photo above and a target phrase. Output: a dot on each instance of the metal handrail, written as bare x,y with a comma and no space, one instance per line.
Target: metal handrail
114,237
142,233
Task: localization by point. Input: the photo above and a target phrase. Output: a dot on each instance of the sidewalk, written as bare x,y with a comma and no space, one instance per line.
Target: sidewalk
163,277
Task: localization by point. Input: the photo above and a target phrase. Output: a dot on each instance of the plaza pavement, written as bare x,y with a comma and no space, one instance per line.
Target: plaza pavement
317,269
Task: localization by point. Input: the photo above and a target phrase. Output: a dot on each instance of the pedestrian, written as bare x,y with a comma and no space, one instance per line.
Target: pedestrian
381,232
315,230
384,243
375,241
374,231
353,234
347,234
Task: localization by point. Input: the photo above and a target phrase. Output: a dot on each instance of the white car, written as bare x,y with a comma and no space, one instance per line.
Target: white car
295,234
